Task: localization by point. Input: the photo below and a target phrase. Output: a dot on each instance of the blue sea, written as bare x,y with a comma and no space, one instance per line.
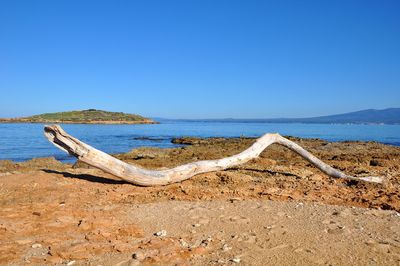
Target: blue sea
20,142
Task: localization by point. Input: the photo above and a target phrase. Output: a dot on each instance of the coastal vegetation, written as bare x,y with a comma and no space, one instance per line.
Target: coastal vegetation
90,116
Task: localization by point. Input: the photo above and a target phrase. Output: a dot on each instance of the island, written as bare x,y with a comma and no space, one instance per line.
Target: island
90,116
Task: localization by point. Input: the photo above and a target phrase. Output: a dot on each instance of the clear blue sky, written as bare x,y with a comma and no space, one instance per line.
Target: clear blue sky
199,59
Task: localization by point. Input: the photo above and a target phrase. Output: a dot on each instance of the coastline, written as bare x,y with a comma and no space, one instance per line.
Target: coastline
276,209
13,121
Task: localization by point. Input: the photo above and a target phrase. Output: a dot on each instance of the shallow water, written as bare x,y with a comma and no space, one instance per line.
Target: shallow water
20,142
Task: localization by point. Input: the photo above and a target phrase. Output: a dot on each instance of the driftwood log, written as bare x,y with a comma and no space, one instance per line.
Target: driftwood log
145,177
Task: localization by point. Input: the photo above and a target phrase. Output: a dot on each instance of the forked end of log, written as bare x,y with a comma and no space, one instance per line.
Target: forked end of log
144,177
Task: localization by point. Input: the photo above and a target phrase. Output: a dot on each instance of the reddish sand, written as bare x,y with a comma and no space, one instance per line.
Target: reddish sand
276,209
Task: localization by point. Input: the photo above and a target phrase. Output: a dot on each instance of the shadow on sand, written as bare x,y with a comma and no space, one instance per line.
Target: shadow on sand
87,177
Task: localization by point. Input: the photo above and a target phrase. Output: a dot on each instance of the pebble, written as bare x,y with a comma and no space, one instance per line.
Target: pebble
235,260
207,241
225,247
72,262
138,256
183,243
234,199
196,225
161,233
300,204
36,245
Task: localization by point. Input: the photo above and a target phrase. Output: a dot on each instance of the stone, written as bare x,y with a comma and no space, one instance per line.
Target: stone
226,248
138,256
183,243
235,260
374,162
161,233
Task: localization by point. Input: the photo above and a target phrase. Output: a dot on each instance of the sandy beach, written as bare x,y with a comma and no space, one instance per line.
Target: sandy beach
274,210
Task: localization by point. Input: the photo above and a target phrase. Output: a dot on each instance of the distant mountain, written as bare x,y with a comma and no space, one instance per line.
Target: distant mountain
90,116
370,116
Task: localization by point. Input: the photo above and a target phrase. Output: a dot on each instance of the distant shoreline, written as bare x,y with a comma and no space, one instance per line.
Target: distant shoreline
261,121
389,116
89,116
14,121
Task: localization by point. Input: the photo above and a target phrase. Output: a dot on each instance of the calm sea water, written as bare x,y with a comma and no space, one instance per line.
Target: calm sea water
20,142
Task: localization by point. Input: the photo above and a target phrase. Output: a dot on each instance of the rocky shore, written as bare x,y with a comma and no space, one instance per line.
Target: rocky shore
276,209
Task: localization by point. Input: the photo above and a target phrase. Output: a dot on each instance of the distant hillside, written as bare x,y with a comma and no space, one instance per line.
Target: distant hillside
370,116
90,116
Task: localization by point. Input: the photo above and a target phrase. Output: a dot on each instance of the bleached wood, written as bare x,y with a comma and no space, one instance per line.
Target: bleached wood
144,177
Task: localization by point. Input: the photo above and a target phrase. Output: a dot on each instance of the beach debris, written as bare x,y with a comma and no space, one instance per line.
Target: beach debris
144,177
161,233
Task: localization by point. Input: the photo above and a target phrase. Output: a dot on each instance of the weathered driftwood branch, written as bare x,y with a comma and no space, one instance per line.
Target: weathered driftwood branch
144,177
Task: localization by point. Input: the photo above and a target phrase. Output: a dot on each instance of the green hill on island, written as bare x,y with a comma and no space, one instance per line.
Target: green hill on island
90,116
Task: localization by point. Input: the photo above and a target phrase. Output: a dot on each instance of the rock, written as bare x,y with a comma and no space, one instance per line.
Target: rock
189,141
374,162
183,243
206,242
138,256
226,248
144,156
235,260
72,262
36,245
161,233
232,200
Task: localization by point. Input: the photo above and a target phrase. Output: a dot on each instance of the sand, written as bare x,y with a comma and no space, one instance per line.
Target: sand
274,210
